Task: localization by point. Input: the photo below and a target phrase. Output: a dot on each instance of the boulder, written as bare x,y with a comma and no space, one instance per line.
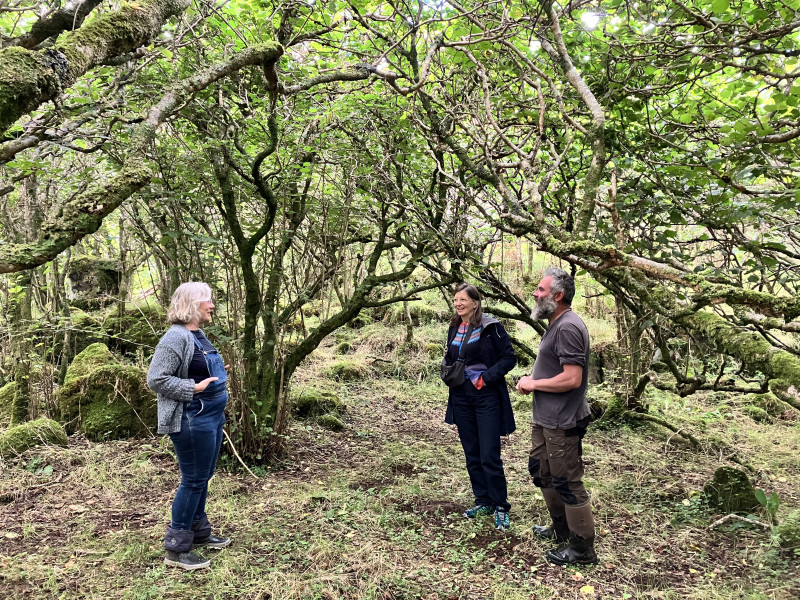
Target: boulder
140,327
346,370
105,399
331,421
16,440
312,402
768,403
731,491
94,281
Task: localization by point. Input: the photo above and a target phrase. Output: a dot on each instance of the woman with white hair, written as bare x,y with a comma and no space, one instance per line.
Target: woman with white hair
188,375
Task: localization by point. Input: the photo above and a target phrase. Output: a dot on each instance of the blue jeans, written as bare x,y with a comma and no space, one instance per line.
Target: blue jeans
477,417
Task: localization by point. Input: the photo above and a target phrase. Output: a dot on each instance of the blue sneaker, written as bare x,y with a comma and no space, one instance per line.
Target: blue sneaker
501,520
478,509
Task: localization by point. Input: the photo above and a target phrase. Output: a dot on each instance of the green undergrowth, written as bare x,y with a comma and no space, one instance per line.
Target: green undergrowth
372,511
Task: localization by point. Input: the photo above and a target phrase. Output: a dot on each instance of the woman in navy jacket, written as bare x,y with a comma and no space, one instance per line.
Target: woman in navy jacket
481,407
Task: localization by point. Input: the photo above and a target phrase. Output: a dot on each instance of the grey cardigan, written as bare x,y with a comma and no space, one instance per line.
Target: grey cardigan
168,376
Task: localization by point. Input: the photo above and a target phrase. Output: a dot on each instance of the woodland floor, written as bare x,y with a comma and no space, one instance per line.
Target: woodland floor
373,511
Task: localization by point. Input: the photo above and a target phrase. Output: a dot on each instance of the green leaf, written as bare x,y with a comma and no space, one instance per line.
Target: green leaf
720,6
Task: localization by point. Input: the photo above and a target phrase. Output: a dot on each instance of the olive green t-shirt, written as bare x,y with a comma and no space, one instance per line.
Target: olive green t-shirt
565,342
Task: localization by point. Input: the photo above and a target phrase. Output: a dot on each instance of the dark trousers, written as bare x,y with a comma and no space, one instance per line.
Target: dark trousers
197,447
556,461
477,417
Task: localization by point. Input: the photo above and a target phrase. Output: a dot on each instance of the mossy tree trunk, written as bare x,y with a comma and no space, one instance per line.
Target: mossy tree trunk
20,305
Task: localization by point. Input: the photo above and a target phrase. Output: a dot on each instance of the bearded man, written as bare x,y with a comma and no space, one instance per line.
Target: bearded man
560,419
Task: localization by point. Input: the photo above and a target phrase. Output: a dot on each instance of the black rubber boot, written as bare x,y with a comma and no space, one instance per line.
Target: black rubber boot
211,541
580,551
188,561
559,530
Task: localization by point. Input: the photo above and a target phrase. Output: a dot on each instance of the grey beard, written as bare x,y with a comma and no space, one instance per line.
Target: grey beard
544,308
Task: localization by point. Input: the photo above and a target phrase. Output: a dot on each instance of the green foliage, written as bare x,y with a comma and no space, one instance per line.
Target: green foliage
18,439
788,531
769,503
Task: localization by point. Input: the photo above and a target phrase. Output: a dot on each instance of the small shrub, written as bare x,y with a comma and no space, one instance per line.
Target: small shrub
788,531
16,440
313,402
346,370
330,421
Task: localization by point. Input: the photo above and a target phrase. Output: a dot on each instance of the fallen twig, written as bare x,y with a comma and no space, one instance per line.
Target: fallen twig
237,454
727,518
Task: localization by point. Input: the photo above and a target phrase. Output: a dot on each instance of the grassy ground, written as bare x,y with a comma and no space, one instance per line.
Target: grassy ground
373,511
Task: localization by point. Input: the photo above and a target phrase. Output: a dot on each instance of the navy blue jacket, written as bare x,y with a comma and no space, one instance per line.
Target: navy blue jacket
500,359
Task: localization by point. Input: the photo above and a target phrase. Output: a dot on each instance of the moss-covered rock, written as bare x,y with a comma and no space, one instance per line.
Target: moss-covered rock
788,531
312,402
346,370
731,491
16,440
362,319
105,399
343,347
523,403
140,327
7,393
93,357
434,350
420,313
757,413
95,281
331,421
769,403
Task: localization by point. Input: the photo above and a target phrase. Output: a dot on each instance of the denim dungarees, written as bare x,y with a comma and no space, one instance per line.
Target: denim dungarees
197,447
